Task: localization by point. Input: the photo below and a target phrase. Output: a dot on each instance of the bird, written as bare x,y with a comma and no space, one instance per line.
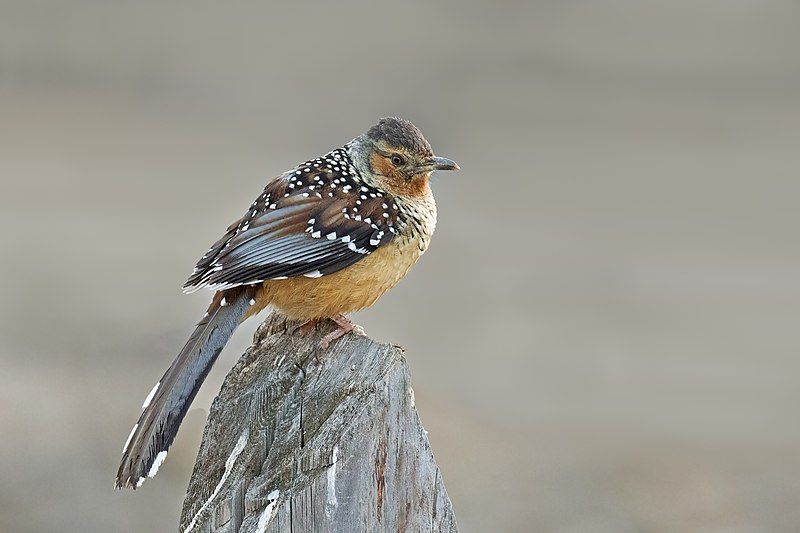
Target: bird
324,239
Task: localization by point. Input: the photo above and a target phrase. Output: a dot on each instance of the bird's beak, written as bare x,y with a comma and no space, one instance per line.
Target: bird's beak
442,163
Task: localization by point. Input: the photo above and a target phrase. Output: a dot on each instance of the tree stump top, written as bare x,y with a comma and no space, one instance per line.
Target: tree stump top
301,439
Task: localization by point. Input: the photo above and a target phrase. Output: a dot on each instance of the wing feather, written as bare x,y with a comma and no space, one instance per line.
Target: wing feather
311,220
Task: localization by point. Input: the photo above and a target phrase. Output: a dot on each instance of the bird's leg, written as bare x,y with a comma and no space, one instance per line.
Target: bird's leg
344,326
305,328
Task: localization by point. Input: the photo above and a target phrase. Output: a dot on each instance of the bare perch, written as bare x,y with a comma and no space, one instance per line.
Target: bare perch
303,441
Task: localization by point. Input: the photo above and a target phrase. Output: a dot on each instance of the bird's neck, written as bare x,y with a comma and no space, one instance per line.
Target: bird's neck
360,160
418,216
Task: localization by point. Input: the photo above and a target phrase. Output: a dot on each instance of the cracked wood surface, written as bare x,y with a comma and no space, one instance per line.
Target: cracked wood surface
301,440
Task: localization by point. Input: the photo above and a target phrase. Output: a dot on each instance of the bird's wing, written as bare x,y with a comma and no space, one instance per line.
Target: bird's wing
314,220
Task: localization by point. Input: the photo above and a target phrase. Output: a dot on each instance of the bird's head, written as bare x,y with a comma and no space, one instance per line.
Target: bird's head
395,154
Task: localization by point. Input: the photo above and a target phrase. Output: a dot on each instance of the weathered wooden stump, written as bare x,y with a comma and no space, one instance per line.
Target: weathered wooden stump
303,441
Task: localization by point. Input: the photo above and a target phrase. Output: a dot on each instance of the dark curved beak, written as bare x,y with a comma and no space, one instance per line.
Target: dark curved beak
442,163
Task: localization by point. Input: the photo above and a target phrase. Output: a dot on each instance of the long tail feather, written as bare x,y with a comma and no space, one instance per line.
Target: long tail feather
166,405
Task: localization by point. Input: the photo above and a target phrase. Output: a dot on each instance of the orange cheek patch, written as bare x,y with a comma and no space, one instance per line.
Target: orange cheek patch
417,186
397,183
381,165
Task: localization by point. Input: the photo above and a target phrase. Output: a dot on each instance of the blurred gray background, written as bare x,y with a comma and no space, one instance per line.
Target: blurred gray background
604,334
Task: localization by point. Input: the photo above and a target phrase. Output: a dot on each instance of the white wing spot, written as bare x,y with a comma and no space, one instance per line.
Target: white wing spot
127,442
157,463
150,396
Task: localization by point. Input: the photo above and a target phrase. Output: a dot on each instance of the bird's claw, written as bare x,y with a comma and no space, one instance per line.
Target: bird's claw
306,327
344,326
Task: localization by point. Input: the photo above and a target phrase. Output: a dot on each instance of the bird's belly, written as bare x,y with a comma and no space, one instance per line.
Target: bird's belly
350,289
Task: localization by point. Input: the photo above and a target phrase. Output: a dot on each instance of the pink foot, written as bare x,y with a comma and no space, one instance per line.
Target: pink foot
345,326
306,328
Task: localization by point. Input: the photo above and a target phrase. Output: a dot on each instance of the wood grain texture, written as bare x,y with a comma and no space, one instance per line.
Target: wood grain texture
304,441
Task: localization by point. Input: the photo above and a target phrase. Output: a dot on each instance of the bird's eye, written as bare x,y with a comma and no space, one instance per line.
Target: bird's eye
397,160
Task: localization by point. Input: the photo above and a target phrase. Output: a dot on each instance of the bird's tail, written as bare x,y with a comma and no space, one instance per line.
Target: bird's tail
166,405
